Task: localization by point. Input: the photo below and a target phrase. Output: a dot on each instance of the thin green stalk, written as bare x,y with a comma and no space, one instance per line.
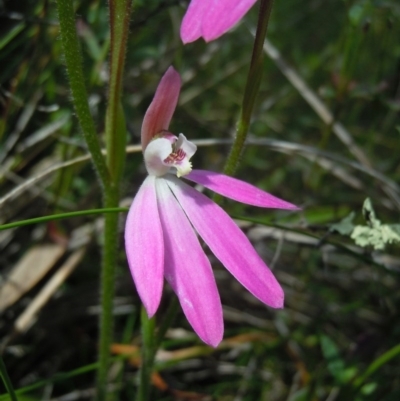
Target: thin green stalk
168,319
120,12
251,88
110,253
73,61
61,216
377,364
6,380
151,341
148,354
115,142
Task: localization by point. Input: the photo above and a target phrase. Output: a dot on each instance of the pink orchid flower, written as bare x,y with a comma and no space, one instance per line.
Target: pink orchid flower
167,215
210,19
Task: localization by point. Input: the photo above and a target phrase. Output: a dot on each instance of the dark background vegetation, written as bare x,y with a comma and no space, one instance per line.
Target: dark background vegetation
342,301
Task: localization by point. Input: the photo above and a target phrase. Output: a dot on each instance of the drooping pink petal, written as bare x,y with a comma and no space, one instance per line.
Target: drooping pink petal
161,109
144,245
228,243
237,190
192,21
222,15
188,270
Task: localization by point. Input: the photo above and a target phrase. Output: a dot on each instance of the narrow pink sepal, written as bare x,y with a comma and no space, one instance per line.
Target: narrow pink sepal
188,270
159,114
237,190
144,246
222,15
228,243
192,21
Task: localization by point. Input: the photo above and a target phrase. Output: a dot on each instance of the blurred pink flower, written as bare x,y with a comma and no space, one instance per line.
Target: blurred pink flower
210,19
167,214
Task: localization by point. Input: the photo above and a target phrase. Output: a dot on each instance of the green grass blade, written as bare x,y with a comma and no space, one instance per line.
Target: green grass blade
7,381
61,216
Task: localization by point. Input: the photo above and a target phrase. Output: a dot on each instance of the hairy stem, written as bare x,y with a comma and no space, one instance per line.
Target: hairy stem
120,11
151,341
110,253
148,354
73,61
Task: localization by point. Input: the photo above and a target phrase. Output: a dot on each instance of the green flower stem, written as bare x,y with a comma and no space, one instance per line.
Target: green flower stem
120,11
148,354
73,61
168,319
6,380
251,88
151,341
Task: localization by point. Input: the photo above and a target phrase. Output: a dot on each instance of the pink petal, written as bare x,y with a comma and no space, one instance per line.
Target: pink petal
144,246
161,109
192,21
221,15
228,243
237,190
188,270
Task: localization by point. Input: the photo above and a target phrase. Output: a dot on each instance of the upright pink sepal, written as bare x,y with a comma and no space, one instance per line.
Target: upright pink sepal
228,243
237,190
144,246
159,114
